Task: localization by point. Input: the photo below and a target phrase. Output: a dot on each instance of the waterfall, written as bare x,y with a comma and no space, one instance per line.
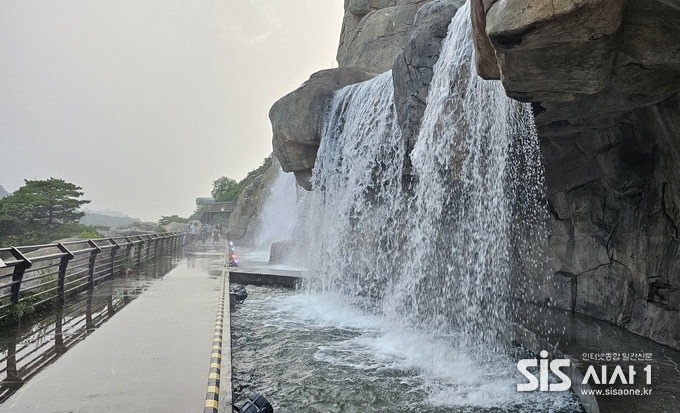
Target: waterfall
476,150
437,253
357,181
277,219
435,256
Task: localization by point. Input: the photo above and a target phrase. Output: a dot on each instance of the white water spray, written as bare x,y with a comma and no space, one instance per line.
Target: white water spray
439,255
436,254
277,219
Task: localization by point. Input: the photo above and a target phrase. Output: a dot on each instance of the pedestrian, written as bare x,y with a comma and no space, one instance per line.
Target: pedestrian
194,233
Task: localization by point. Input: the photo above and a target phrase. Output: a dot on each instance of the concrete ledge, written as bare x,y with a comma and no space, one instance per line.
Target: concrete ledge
255,278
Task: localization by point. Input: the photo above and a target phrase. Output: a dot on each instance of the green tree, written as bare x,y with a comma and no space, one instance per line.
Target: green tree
40,210
165,220
225,189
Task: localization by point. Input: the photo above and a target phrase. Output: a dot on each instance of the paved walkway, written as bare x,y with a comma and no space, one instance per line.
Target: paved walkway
152,356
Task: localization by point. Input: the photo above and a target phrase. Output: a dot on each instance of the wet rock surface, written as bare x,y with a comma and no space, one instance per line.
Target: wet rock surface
614,220
413,66
297,119
242,221
603,78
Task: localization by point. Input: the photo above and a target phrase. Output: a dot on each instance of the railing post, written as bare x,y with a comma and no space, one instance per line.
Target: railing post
155,247
115,248
18,273
59,330
128,248
93,258
12,368
89,323
139,253
63,264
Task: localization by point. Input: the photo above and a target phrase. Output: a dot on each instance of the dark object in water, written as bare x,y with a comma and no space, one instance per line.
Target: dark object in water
238,293
256,404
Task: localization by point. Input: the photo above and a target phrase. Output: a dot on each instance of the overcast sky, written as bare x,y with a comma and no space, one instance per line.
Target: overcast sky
144,103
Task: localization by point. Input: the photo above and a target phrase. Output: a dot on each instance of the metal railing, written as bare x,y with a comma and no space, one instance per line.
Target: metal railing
219,207
41,273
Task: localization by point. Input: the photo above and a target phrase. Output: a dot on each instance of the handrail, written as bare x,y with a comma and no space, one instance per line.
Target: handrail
95,260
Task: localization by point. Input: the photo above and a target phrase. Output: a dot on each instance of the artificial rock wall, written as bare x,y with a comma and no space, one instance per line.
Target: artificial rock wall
603,77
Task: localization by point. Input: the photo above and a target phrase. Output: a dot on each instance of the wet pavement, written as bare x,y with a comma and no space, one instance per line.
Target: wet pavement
133,345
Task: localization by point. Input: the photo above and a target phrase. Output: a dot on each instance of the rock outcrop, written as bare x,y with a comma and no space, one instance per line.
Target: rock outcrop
297,119
581,63
373,33
242,223
603,77
413,67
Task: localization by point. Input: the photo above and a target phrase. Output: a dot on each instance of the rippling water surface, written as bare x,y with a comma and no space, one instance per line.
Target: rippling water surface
318,353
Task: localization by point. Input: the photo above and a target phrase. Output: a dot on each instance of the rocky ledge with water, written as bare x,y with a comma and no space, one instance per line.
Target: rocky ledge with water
602,78
488,153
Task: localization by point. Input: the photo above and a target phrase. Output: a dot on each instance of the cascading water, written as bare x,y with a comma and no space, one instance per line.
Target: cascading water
461,215
432,258
277,220
359,194
436,253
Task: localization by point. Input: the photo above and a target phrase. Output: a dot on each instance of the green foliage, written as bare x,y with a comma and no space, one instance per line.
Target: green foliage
16,312
165,220
92,231
225,189
255,172
41,211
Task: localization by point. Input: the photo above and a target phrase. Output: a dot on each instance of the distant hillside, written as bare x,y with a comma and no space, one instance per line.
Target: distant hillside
107,212
3,192
111,219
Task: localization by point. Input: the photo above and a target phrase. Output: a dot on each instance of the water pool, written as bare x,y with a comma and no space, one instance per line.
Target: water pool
317,353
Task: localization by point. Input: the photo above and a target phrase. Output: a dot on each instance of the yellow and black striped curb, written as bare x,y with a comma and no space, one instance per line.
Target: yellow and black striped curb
213,394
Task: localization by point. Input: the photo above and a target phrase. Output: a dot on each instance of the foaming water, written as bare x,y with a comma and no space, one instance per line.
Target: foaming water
317,351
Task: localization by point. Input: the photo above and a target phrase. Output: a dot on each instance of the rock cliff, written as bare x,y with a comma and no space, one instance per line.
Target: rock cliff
242,221
603,77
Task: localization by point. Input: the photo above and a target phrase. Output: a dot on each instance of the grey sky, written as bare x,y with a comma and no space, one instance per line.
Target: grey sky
144,103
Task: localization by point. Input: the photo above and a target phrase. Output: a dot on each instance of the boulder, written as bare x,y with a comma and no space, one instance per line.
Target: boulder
582,63
413,67
373,42
279,251
297,119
